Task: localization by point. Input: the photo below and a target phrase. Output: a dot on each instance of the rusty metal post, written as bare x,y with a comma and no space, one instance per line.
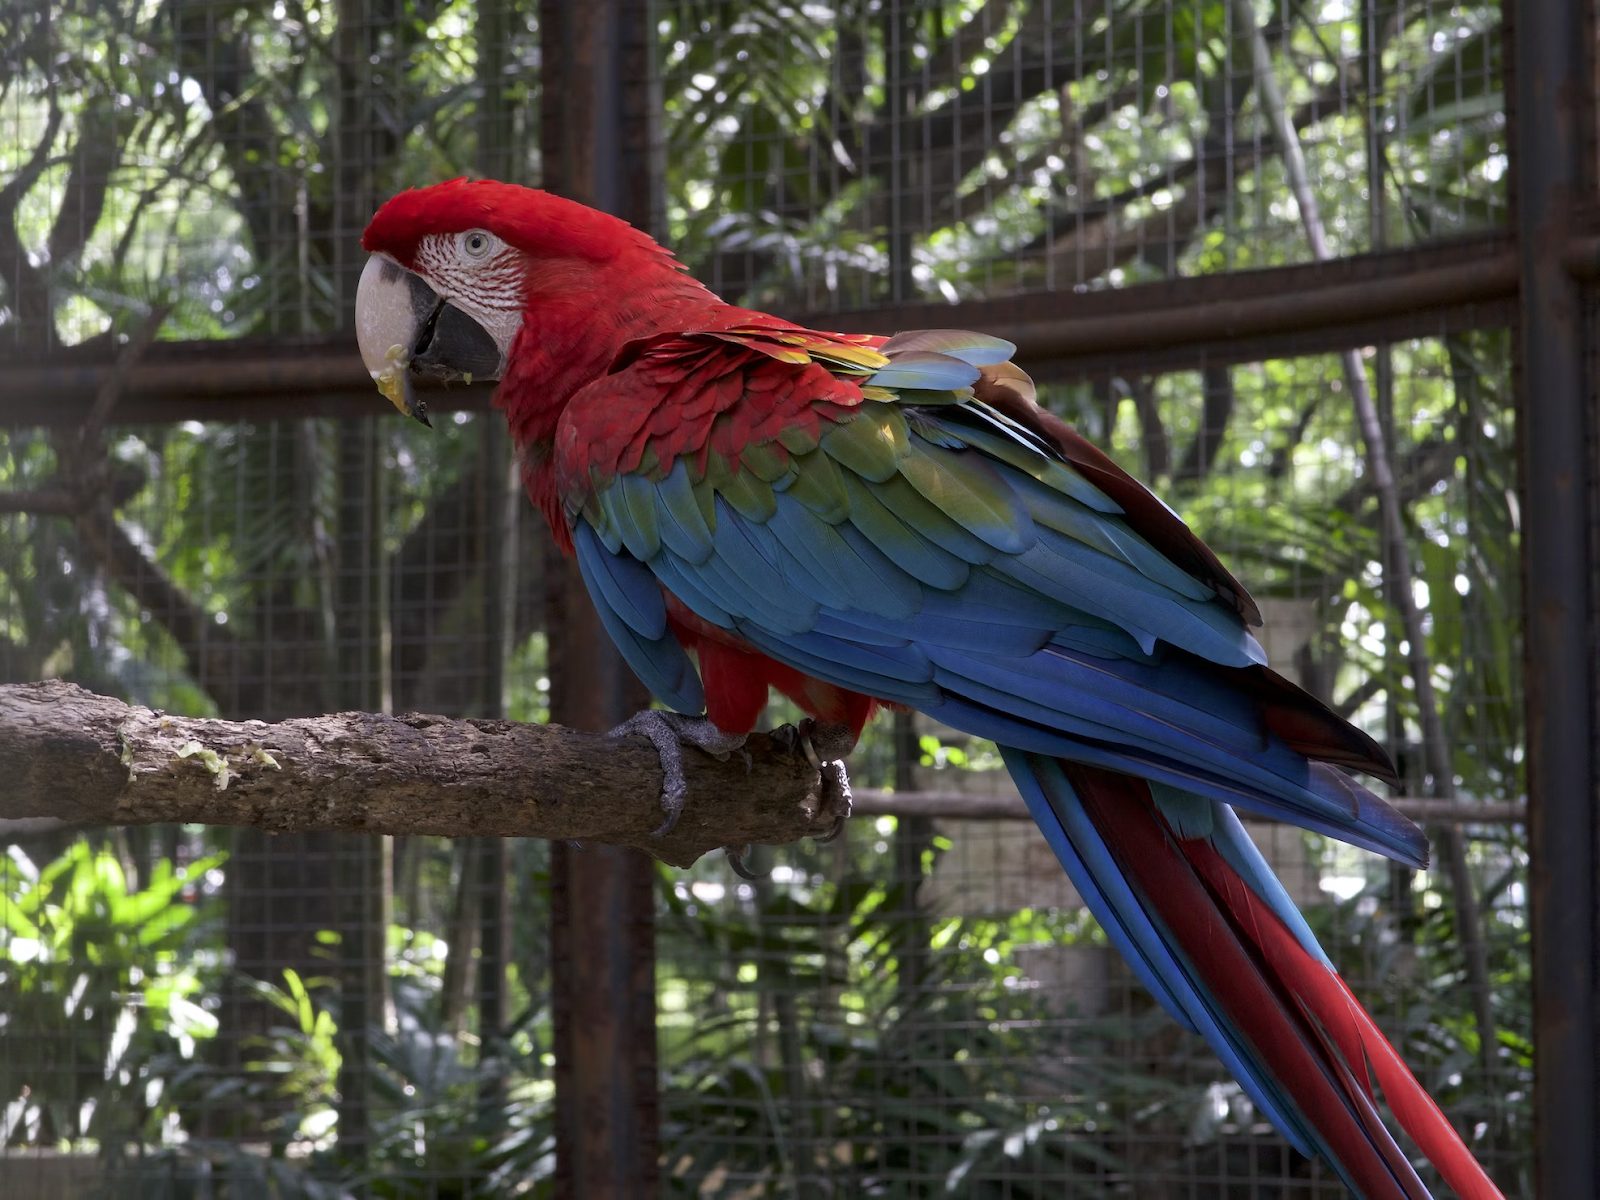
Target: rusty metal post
596,137
1548,99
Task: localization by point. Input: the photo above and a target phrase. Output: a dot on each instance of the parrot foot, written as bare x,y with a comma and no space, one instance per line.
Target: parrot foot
669,732
825,746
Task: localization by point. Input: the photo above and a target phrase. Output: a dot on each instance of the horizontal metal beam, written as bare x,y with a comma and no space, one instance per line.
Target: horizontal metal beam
54,503
255,379
960,806
1243,316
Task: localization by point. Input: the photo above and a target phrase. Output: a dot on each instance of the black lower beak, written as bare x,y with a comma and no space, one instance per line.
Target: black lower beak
454,346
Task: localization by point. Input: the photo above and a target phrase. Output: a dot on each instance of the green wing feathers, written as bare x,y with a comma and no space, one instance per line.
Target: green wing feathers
924,446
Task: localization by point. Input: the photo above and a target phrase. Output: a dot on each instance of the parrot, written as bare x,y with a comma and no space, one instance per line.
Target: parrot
860,522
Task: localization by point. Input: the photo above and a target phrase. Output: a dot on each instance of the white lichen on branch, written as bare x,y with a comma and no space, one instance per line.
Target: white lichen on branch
209,759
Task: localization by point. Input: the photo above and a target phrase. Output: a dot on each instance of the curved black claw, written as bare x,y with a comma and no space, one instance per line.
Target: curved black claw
736,861
838,828
669,732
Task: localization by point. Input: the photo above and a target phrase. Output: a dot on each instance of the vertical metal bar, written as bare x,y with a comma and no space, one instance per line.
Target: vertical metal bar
357,878
494,941
492,856
598,147
1545,100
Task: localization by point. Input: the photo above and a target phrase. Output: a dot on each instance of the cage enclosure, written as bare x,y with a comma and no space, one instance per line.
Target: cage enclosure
1216,229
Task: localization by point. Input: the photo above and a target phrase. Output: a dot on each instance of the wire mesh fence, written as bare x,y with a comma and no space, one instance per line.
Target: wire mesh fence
923,1007
957,151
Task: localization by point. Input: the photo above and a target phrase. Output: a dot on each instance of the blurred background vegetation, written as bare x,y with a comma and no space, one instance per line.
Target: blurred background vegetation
922,1008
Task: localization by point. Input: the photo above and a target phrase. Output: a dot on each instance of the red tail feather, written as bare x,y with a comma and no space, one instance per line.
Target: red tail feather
1325,997
1303,1024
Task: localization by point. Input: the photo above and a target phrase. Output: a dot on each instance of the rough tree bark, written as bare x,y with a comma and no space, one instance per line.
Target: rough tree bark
87,759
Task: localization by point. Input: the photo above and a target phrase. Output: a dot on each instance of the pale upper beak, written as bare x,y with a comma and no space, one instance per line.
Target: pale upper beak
406,330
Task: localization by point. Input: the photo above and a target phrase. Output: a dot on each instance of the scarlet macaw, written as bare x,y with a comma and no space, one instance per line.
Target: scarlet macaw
858,521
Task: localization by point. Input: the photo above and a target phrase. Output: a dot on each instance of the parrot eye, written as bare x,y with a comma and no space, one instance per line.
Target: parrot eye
477,243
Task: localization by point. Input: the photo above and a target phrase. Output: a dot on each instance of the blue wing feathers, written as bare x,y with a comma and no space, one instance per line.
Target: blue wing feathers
872,569
906,663
765,599
1237,726
1066,683
1102,642
861,627
1040,571
1141,737
848,571
918,695
625,584
1197,683
979,719
660,661
693,588
806,575
1393,833
989,595
1105,534
1111,589
745,545
756,593
1006,641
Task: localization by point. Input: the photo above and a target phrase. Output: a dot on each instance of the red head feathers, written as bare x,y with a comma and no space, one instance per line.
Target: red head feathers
535,222
486,280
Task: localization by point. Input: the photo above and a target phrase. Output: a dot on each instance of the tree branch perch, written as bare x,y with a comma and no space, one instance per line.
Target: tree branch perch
72,755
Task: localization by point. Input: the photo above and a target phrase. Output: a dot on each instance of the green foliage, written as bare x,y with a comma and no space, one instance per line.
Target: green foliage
100,982
828,1034
300,1059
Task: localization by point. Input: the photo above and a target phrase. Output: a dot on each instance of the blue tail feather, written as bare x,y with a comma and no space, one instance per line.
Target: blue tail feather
1148,948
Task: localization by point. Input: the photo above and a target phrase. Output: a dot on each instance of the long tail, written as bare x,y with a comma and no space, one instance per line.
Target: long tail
1190,902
